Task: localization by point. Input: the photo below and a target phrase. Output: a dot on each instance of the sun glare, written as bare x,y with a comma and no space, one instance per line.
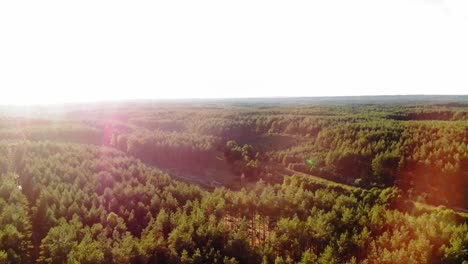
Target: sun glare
56,51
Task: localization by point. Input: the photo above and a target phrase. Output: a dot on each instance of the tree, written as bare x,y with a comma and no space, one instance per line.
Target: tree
59,242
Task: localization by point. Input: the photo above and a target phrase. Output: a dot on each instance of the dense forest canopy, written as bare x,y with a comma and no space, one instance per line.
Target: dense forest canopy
282,181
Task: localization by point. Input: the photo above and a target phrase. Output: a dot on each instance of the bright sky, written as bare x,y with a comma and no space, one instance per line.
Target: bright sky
61,51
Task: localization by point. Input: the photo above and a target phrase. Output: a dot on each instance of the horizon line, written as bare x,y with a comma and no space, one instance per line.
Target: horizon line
173,99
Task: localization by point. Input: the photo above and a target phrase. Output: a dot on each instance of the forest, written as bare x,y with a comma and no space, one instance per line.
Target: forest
371,180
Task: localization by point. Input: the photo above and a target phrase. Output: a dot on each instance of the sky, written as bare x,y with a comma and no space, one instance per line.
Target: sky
74,51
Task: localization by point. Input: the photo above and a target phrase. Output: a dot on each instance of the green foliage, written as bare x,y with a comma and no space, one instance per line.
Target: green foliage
102,202
243,159
15,224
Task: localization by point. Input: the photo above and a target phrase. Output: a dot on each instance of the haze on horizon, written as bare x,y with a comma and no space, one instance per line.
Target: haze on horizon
56,51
